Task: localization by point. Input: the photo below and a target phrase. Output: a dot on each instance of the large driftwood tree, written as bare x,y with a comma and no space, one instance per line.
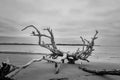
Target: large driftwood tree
71,58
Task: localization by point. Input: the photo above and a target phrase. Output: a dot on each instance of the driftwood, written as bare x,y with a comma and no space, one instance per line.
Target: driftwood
55,52
5,69
71,58
101,72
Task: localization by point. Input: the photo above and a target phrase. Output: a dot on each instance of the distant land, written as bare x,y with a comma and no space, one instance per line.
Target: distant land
21,53
59,44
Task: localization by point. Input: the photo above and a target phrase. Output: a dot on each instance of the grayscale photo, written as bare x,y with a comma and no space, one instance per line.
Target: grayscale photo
59,39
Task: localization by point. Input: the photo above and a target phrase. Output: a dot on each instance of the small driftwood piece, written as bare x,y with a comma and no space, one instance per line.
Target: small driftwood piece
101,72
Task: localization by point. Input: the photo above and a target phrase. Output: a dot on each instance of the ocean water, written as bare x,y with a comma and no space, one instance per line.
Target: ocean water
101,53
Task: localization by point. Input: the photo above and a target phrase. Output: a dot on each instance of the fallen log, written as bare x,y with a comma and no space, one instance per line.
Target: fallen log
101,72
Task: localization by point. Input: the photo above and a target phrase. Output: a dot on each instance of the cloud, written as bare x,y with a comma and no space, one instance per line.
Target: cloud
68,18
8,27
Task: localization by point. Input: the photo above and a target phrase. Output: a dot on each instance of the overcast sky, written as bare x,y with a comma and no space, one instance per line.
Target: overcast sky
68,18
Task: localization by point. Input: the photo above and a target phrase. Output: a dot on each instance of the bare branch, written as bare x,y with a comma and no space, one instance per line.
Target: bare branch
87,41
95,35
58,68
92,41
32,27
34,32
85,53
52,38
39,35
83,43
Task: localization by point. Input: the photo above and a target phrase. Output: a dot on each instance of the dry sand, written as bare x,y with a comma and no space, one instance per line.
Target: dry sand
45,71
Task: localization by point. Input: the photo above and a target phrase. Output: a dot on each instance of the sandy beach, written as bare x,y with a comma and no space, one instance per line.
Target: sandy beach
46,71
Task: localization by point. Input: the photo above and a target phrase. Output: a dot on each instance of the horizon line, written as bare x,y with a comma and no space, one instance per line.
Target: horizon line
59,44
